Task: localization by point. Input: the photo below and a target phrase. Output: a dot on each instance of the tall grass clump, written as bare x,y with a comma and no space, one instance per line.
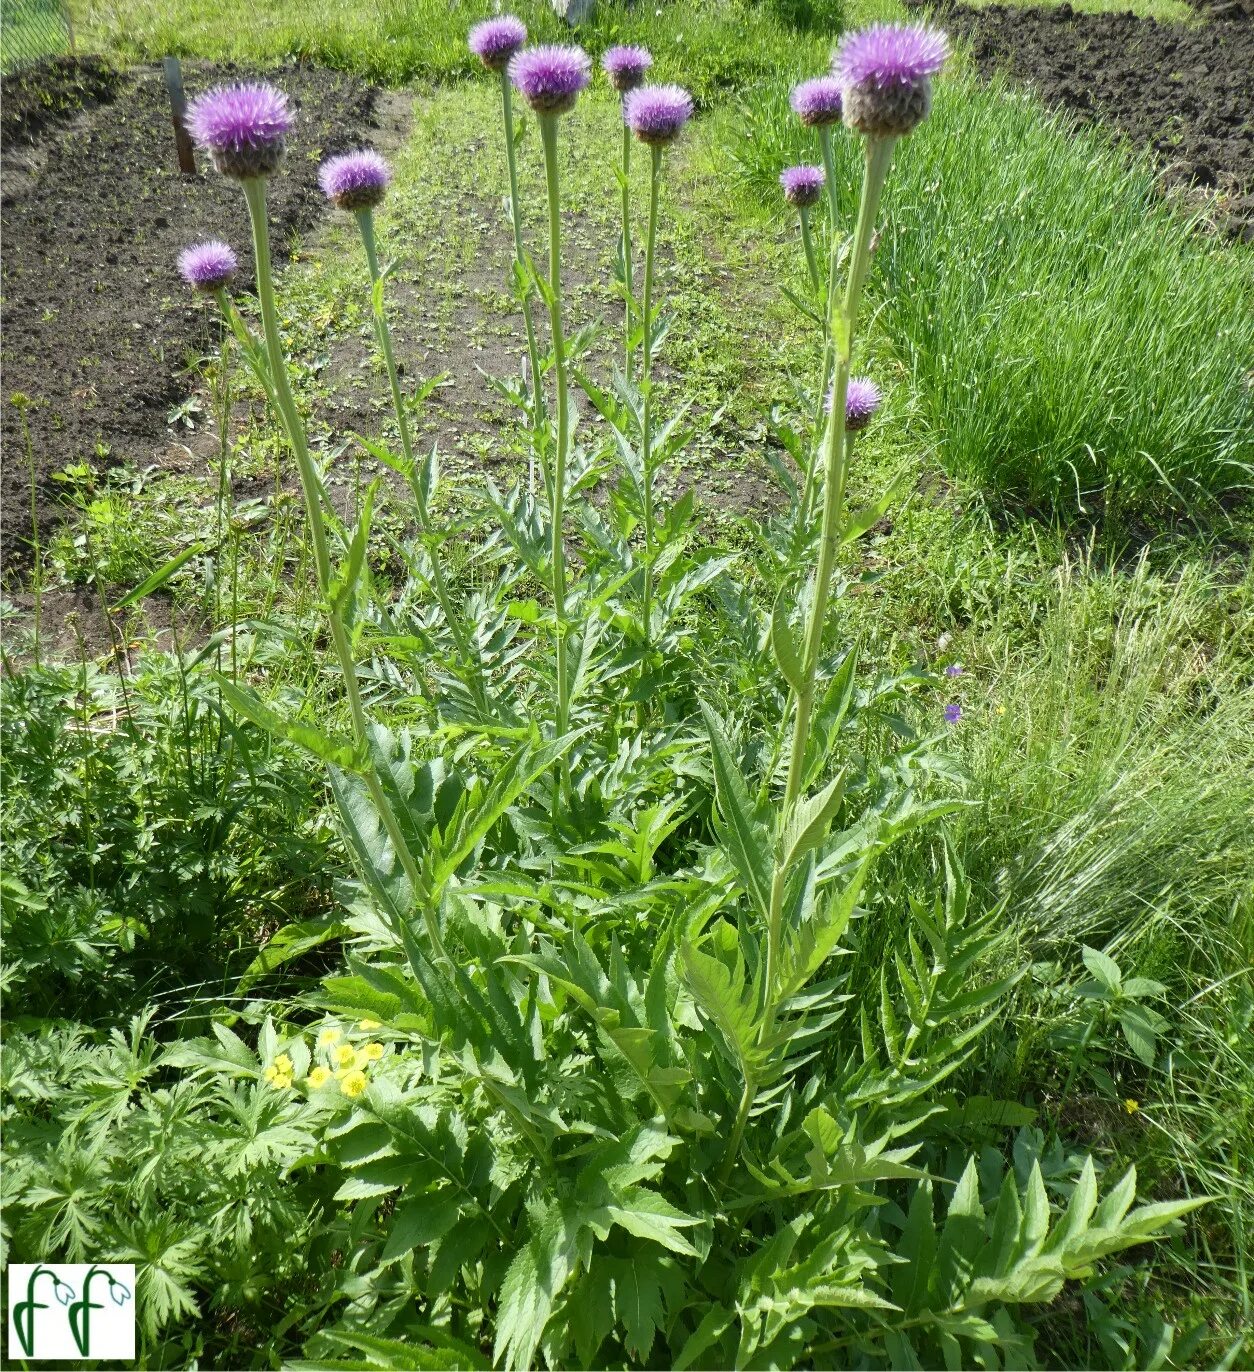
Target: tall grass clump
1116,768
1075,343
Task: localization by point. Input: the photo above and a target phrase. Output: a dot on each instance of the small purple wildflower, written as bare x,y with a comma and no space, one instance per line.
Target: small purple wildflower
242,127
208,267
626,67
953,713
954,669
886,71
818,101
862,399
550,78
657,114
802,185
495,41
355,180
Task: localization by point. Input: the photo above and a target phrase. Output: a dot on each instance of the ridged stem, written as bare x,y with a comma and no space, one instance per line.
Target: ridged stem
627,264
807,241
646,381
548,129
879,154
520,257
311,487
383,335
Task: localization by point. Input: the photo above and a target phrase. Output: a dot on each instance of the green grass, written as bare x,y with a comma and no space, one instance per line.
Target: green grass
1074,343
713,47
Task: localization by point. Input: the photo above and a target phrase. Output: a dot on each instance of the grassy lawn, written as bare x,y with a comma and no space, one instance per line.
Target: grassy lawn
1065,365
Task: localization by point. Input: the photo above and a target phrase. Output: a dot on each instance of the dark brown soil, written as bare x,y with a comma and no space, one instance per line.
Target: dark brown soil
1186,93
97,325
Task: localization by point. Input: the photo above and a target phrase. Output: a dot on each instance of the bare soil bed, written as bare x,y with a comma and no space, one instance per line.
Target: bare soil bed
97,325
1186,93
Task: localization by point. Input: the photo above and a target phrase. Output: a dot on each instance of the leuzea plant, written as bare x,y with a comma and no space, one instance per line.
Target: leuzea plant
660,1070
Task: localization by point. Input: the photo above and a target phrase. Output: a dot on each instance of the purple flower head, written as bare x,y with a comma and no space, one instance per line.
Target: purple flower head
886,71
208,267
550,78
802,185
953,713
954,669
242,127
495,41
355,180
862,399
656,114
817,101
626,67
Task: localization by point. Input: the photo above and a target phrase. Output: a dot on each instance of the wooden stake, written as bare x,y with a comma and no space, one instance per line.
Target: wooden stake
178,111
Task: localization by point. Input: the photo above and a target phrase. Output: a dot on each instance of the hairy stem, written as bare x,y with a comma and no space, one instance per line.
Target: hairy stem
383,335
807,242
879,154
646,378
557,495
311,487
520,256
627,272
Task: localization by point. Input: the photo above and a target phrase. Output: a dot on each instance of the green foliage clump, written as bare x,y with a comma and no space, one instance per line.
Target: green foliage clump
1076,345
148,835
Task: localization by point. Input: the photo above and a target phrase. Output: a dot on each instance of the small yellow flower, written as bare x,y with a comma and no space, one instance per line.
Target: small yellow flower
353,1083
282,1082
283,1065
1001,709
1131,1106
271,1073
319,1077
330,1035
344,1055
367,1025
372,1052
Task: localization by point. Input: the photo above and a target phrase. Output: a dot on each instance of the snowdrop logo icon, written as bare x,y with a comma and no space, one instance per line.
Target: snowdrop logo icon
99,1323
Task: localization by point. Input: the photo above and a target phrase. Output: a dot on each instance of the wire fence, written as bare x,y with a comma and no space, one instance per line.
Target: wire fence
31,30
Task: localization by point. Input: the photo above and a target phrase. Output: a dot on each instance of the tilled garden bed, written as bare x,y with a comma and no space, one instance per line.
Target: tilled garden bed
1184,92
97,325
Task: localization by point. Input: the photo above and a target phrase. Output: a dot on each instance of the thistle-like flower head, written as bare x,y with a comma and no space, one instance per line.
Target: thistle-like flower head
626,67
802,185
550,78
243,128
208,267
495,41
886,73
817,101
355,180
657,114
862,399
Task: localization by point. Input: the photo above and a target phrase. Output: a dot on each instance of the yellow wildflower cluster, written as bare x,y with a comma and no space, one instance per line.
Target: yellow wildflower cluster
279,1073
346,1062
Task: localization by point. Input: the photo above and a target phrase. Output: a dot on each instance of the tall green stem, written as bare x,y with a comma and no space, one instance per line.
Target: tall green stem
807,241
646,379
879,154
627,272
311,487
520,257
548,129
833,218
383,334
